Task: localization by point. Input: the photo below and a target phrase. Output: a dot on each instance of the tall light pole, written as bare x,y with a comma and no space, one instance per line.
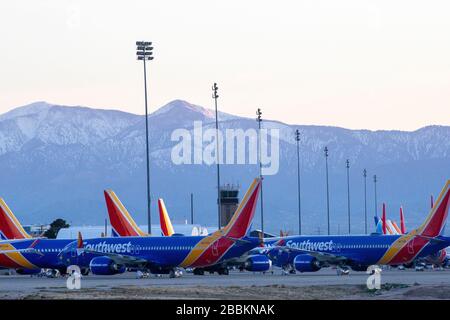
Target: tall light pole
144,52
375,190
365,200
219,204
192,208
297,138
347,163
328,191
259,120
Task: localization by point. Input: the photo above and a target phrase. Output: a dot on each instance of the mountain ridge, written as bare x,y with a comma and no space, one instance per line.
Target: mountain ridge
57,160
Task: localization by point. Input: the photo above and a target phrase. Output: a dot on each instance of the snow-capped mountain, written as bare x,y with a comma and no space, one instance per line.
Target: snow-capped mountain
57,160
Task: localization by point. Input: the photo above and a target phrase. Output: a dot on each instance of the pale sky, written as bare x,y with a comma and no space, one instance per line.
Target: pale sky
356,64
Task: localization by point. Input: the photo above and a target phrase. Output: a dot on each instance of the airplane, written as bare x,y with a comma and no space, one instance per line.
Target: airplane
10,228
159,255
358,252
123,225
438,259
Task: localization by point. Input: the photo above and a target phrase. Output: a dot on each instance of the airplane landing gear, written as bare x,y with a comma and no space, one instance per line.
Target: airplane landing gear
175,273
199,272
342,271
223,272
142,274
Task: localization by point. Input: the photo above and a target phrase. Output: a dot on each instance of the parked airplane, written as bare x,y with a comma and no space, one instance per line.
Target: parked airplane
437,259
10,227
160,255
311,253
123,222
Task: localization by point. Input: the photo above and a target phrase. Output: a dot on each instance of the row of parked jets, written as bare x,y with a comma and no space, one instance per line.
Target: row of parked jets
129,248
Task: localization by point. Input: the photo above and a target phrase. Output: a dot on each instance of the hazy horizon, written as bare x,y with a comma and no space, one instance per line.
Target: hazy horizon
353,64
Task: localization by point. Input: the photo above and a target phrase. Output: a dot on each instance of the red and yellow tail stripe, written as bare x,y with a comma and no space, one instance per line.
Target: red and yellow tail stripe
212,248
13,260
396,228
121,220
164,219
408,246
10,227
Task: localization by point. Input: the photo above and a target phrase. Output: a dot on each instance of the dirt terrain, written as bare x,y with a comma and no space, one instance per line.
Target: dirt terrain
275,292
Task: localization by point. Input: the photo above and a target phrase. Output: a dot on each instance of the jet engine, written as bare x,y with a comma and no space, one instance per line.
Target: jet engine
105,266
306,263
258,263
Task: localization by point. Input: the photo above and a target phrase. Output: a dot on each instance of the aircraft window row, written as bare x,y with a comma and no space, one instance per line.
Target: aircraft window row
365,246
167,248
50,250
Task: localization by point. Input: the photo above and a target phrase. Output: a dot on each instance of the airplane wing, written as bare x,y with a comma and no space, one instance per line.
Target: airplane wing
27,250
123,259
320,256
126,260
6,247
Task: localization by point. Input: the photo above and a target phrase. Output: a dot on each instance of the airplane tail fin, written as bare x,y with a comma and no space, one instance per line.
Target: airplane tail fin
402,222
376,219
379,227
242,218
395,227
121,221
432,201
383,219
164,219
10,227
435,222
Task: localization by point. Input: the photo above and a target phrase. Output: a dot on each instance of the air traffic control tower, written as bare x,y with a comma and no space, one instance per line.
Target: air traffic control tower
229,202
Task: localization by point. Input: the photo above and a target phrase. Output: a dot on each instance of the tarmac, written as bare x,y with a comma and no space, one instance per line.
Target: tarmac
232,286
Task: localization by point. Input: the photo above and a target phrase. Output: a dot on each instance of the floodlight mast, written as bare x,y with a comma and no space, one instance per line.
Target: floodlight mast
144,52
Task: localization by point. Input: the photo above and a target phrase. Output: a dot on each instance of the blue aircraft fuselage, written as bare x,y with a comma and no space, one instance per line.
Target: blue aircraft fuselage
162,252
360,250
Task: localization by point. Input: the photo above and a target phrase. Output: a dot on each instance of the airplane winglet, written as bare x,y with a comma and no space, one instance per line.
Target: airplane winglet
402,221
80,244
164,219
34,244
